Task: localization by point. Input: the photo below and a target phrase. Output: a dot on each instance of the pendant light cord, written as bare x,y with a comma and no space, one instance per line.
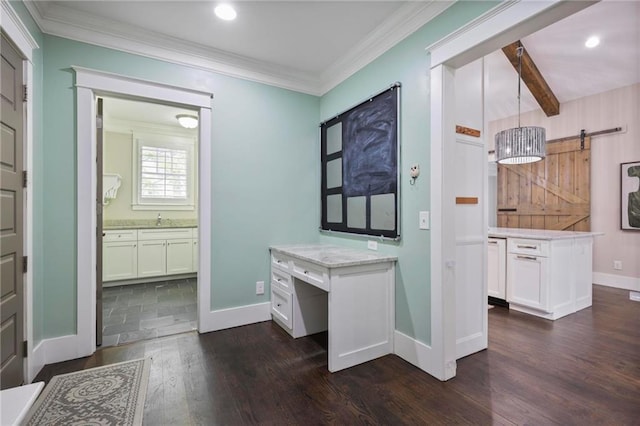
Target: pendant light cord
519,53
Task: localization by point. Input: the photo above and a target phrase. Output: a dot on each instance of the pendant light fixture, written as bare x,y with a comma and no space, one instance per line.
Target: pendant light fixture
520,145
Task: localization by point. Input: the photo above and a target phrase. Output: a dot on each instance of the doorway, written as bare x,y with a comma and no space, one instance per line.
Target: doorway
149,218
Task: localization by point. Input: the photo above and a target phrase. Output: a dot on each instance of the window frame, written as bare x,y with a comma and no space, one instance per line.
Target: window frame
166,142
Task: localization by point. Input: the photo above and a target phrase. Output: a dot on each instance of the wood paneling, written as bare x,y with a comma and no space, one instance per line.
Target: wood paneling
467,131
550,194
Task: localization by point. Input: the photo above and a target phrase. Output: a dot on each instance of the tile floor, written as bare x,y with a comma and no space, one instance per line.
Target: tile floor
145,311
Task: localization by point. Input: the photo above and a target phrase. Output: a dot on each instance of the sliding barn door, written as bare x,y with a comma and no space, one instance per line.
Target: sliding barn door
550,194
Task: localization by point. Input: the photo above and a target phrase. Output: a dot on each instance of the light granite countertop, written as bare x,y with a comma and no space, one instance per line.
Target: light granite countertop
330,256
149,224
539,234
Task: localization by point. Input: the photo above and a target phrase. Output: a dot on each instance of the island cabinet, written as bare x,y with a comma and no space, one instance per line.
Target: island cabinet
549,273
349,293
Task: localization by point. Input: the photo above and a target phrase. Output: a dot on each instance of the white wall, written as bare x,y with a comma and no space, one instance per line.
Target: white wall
616,108
117,153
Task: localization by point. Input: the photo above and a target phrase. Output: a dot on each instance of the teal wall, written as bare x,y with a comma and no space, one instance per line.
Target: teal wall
37,174
263,149
408,63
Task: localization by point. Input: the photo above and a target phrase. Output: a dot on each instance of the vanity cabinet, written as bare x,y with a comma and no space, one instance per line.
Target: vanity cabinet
120,255
145,253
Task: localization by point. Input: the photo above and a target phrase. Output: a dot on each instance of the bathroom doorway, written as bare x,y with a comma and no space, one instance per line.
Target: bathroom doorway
149,238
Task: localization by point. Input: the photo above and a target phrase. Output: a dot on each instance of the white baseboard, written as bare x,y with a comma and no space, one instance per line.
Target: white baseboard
235,317
617,281
35,362
61,349
417,353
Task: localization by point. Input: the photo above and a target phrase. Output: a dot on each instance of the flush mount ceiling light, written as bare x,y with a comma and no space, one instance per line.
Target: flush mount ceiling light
187,121
225,12
592,42
520,145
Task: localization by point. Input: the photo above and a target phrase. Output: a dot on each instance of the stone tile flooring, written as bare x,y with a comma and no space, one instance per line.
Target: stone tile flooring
145,311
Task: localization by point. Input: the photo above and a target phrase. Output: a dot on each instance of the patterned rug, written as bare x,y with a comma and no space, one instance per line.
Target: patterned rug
109,395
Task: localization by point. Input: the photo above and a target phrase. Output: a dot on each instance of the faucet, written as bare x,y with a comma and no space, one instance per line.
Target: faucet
159,220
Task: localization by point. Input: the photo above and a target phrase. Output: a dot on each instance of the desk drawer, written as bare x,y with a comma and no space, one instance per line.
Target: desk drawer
282,280
279,261
528,247
281,307
310,274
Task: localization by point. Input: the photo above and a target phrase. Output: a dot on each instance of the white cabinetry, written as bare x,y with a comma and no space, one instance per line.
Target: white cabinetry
144,253
120,255
497,268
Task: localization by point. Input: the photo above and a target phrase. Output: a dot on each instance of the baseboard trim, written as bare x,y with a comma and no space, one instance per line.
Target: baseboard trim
416,353
60,349
35,362
235,317
617,281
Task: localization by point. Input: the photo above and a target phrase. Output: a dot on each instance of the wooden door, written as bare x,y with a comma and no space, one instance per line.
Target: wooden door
550,194
11,218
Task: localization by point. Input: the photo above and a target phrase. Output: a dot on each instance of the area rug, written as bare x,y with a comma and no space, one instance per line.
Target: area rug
109,395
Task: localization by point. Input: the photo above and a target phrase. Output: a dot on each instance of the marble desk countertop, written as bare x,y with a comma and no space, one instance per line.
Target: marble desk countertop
149,224
330,256
539,234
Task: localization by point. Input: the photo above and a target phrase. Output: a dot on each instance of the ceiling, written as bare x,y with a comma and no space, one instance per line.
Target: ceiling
311,46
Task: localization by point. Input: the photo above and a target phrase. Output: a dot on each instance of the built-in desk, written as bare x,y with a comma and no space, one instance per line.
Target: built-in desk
350,293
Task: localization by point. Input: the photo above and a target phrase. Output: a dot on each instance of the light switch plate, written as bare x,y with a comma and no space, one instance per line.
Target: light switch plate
372,245
259,287
423,222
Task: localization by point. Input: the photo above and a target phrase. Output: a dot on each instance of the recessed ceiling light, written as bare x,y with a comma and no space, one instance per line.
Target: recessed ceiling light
226,12
592,41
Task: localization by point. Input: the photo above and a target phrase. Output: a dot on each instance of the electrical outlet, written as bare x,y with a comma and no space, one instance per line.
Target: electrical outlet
259,287
617,265
372,245
423,220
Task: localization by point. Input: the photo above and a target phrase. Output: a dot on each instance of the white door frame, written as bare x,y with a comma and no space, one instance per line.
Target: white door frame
90,83
502,25
26,44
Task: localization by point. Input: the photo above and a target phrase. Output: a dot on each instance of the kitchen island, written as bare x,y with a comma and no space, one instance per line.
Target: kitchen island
548,273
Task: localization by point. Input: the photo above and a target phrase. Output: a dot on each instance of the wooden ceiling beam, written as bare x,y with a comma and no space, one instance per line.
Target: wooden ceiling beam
533,79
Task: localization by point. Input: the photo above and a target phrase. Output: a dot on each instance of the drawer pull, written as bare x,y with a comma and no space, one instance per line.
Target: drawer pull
306,272
527,247
278,262
493,242
279,280
279,304
527,257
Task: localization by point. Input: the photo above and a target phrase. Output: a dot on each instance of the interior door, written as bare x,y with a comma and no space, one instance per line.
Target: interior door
550,194
99,235
11,217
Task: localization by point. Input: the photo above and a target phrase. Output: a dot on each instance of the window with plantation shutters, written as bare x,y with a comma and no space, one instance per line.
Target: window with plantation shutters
163,173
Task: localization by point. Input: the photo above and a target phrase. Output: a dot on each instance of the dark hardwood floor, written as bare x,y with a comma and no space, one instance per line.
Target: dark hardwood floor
583,369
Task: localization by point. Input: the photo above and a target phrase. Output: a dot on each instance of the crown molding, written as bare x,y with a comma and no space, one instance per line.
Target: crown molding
396,28
11,22
62,21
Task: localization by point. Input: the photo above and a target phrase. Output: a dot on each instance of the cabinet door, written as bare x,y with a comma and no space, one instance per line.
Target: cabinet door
179,256
119,260
152,260
196,253
528,281
497,268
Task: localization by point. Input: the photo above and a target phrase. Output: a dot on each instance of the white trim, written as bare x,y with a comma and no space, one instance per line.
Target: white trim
17,31
90,83
404,22
416,352
235,317
617,281
59,349
72,24
20,36
496,28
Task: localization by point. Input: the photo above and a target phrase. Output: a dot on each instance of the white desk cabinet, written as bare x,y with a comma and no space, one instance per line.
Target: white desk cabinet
349,293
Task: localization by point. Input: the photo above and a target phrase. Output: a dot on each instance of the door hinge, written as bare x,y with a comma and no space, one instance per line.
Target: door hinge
24,93
24,264
24,178
24,349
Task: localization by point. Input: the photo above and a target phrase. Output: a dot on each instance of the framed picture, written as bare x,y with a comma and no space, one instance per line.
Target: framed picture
630,196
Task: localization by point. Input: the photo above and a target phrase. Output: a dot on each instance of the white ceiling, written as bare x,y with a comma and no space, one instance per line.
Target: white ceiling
311,46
